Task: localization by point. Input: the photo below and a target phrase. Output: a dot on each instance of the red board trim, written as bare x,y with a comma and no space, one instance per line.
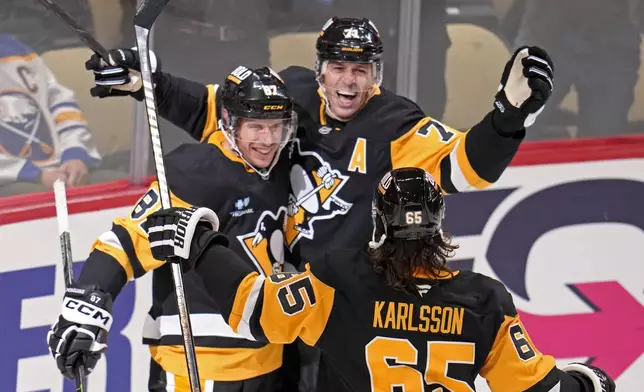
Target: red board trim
121,193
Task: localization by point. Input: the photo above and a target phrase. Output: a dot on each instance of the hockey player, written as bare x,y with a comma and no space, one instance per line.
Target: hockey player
352,131
238,173
392,314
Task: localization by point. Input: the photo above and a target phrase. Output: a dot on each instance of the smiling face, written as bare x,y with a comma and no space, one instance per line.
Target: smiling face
347,87
259,140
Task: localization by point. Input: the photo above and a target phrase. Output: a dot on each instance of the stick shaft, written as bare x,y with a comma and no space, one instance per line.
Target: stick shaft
142,41
62,218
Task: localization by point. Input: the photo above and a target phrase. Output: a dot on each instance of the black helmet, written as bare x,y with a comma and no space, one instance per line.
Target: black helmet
349,39
258,94
408,204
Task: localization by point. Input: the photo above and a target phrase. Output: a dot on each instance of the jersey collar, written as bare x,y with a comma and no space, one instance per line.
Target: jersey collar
218,139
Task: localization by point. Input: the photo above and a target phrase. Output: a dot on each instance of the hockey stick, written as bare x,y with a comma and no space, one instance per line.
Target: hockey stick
145,17
66,254
86,37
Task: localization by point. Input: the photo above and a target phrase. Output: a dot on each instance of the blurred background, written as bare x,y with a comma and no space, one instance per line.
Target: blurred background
445,54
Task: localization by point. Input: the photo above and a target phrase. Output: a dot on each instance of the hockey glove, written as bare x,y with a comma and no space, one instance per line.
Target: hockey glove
592,378
79,337
122,76
182,234
526,85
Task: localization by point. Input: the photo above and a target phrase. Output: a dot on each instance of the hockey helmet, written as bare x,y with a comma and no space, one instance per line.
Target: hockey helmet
350,40
258,94
408,204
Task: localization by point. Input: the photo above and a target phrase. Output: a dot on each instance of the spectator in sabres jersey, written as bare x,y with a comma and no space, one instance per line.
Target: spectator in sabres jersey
43,133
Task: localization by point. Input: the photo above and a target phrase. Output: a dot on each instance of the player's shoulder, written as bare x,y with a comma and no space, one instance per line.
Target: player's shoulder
394,114
488,292
195,172
10,46
302,85
296,76
341,268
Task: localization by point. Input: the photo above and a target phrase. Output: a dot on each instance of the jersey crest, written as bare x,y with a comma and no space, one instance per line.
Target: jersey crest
313,195
24,131
265,245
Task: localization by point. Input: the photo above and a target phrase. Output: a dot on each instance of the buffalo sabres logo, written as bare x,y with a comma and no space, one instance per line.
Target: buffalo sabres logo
24,132
265,245
314,188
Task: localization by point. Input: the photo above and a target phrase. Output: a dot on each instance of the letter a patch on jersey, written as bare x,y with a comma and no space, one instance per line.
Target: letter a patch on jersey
314,194
358,161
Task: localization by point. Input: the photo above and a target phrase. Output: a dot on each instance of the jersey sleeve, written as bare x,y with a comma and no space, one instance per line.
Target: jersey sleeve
458,160
514,363
17,169
123,253
75,140
189,105
276,308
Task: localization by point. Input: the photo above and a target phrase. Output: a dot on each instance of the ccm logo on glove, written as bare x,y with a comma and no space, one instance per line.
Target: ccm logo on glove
82,312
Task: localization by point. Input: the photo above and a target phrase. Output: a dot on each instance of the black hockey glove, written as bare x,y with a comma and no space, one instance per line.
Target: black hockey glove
592,378
79,337
182,234
526,85
122,76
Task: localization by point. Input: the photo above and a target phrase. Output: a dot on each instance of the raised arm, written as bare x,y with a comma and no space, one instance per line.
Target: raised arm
189,105
477,157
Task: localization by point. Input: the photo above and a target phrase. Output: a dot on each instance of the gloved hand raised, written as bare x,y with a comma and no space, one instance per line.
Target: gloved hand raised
526,85
122,76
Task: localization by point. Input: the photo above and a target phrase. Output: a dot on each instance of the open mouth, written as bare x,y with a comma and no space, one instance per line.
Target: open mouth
346,98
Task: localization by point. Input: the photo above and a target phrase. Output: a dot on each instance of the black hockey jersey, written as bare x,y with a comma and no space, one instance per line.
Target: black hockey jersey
460,324
251,211
389,132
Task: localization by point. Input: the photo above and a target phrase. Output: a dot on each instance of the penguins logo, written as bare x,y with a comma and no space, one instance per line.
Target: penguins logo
265,245
314,189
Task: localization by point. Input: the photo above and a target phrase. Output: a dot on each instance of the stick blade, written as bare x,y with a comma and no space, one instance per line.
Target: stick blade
148,12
